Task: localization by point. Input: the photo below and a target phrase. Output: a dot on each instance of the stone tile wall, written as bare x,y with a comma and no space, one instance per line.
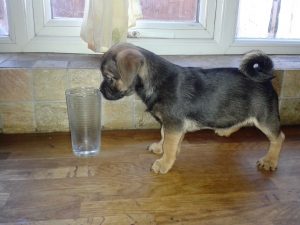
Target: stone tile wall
290,97
33,99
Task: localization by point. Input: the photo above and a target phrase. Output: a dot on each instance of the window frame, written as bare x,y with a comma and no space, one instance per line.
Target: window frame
11,33
21,28
46,35
46,26
202,28
224,40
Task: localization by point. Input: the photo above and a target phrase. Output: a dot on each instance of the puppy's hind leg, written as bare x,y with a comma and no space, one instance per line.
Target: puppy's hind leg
276,138
171,145
157,147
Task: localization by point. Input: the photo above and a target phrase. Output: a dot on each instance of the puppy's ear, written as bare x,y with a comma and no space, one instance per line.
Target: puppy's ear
129,63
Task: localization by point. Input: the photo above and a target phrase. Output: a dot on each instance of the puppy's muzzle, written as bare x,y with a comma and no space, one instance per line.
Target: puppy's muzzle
110,93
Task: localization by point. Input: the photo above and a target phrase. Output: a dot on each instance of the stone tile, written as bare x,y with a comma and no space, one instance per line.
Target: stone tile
117,115
86,61
85,77
50,84
21,60
58,56
17,117
53,64
27,56
291,84
143,119
286,62
51,117
290,111
4,57
4,197
84,64
277,81
1,61
15,85
86,57
17,64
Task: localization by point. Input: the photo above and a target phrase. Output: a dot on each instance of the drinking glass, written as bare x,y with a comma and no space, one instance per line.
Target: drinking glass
84,113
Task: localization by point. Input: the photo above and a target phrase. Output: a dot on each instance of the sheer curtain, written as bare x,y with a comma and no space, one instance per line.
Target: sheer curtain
106,22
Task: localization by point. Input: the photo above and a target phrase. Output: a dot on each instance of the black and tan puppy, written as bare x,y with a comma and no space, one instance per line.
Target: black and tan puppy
186,99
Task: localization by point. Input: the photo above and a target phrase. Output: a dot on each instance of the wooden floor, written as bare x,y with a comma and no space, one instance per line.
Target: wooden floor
214,181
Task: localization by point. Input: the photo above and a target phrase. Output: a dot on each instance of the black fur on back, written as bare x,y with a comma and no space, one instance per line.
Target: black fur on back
214,98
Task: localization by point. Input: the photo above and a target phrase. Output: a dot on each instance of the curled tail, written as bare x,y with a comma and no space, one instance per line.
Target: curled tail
257,66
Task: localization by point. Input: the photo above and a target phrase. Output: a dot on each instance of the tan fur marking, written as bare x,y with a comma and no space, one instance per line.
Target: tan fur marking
171,145
270,160
190,125
129,62
157,147
228,131
121,86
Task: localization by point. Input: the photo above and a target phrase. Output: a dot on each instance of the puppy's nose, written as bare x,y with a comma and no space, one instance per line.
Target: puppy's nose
103,90
102,87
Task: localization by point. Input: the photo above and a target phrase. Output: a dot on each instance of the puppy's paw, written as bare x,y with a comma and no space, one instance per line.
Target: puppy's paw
159,166
267,164
156,148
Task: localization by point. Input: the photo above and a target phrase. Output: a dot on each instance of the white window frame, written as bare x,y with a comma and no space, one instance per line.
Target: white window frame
202,28
11,33
46,26
20,26
223,41
33,30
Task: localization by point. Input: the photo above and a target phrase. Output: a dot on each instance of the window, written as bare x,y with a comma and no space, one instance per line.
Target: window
67,9
3,19
273,19
168,27
58,17
171,10
42,26
175,19
222,26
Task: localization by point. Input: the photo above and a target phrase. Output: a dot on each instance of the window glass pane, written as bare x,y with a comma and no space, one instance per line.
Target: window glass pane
268,19
3,19
289,19
67,8
170,10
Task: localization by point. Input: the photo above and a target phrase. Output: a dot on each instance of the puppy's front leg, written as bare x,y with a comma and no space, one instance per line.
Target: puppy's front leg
157,147
171,145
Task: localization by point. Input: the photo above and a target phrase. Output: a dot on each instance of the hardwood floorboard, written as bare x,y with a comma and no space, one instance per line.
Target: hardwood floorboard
214,181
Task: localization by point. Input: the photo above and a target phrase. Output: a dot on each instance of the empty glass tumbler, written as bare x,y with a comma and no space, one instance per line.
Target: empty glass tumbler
84,113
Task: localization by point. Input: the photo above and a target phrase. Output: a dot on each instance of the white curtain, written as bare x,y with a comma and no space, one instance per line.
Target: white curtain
106,22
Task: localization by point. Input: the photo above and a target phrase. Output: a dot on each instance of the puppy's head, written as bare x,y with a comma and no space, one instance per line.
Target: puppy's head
120,67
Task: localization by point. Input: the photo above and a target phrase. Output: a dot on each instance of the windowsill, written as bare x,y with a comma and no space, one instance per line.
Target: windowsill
49,61
78,61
